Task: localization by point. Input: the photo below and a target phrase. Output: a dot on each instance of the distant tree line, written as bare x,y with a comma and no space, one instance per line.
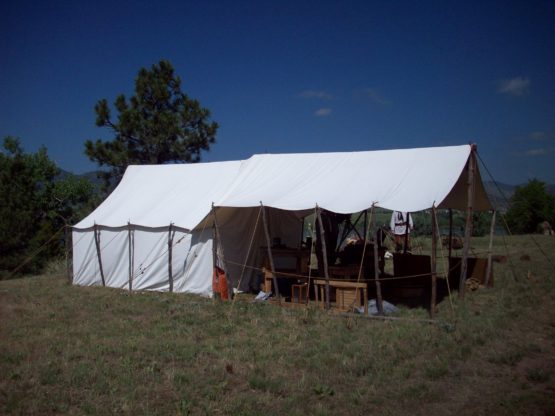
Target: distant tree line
35,204
530,206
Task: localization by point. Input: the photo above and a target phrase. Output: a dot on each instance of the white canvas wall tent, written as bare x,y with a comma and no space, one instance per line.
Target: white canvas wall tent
154,232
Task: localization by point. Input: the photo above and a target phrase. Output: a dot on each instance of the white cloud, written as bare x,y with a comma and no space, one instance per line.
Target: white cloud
538,152
322,112
514,86
538,135
376,97
322,95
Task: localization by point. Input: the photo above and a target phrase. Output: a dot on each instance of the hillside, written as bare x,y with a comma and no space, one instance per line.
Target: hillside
90,176
93,350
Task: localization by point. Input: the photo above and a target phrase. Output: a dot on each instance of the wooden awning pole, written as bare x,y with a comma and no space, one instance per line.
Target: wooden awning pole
406,236
468,226
324,256
434,263
270,255
491,233
97,244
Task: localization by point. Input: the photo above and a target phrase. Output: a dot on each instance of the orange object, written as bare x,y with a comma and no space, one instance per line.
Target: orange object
219,284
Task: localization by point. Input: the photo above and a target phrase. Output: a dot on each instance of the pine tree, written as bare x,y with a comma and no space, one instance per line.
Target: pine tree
159,124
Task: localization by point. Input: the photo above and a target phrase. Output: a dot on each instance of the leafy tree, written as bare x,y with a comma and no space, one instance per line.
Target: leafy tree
34,205
159,124
530,205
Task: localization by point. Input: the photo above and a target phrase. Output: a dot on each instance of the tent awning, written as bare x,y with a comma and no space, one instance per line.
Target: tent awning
404,180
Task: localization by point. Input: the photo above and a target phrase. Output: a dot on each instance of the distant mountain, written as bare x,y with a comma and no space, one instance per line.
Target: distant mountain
90,176
500,193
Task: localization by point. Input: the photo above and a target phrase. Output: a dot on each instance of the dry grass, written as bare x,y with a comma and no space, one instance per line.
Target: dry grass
76,350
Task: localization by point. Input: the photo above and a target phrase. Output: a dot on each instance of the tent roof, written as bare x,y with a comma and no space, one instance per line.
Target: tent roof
405,180
157,195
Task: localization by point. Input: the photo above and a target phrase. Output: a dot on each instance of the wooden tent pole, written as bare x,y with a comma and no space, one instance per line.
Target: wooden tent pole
491,232
434,264
406,236
97,244
131,253
450,232
270,255
302,233
377,269
170,244
324,256
214,257
468,226
365,224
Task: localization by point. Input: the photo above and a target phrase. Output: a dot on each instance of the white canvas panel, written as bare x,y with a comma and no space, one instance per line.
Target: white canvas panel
150,259
181,249
114,249
85,262
193,271
405,180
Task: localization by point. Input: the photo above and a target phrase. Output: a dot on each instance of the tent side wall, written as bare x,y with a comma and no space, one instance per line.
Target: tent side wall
137,258
85,264
458,196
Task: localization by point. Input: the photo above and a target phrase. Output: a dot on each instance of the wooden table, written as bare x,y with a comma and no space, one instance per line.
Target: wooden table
300,267
347,293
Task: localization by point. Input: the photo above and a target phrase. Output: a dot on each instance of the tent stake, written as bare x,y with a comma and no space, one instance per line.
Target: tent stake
131,252
434,264
491,232
270,255
170,244
97,244
324,257
468,226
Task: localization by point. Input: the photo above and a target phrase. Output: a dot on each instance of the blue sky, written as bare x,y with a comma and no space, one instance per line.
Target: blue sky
294,76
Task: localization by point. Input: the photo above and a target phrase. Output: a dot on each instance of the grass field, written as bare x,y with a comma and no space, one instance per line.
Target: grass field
77,350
